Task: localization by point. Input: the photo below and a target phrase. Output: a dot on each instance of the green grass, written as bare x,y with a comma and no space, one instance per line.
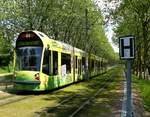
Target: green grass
100,106
144,86
5,69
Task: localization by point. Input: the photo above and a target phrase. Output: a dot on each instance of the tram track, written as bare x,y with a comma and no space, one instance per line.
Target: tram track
5,87
12,99
5,97
77,102
16,98
74,100
87,102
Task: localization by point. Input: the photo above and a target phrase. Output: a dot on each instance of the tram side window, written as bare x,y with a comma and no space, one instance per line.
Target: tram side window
96,64
46,62
66,62
92,65
55,63
99,65
83,63
79,66
76,62
89,64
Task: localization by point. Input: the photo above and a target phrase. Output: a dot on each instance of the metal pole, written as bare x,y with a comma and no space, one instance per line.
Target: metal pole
86,46
129,106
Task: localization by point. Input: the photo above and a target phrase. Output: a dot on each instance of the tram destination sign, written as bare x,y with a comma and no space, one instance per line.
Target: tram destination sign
29,43
126,47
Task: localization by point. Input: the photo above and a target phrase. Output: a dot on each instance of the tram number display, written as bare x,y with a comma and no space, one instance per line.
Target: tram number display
28,43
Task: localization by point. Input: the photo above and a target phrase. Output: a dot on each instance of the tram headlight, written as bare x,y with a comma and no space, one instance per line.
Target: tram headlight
37,76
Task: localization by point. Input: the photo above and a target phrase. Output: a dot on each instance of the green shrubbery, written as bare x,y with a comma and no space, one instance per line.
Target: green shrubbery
144,86
4,59
5,63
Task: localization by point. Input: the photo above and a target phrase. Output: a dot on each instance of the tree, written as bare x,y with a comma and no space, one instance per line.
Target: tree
132,17
75,22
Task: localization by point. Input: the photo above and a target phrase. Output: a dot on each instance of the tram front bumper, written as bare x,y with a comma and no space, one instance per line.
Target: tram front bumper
26,85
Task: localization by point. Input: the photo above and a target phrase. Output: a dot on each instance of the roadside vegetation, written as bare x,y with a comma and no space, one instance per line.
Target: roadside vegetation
144,89
5,69
132,17
78,23
5,63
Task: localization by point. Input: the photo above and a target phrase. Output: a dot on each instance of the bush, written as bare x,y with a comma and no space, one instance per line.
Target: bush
5,59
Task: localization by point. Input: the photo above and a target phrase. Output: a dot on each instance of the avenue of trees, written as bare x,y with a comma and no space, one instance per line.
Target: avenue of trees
132,17
76,22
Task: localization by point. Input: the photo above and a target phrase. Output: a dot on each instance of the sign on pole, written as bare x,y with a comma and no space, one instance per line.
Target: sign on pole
126,50
126,47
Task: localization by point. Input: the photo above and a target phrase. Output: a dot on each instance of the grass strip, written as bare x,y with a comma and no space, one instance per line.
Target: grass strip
144,87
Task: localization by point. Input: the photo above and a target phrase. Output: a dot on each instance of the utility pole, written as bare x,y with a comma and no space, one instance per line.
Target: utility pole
86,23
86,38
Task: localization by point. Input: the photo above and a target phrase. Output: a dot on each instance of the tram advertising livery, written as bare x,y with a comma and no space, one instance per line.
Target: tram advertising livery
42,63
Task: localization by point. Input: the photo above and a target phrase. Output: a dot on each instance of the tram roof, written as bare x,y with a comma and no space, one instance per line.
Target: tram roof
58,44
46,40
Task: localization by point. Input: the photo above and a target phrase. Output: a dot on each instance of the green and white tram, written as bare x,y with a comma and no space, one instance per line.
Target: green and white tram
41,63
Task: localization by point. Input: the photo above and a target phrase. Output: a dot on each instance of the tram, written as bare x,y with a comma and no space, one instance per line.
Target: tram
41,63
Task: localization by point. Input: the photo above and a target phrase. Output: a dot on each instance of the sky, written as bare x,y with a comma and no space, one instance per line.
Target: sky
109,31
109,34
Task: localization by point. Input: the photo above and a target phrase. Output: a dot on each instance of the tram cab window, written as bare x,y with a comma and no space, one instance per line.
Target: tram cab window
65,63
28,58
55,63
46,62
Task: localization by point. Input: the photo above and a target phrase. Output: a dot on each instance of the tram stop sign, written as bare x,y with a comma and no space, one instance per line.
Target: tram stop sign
126,47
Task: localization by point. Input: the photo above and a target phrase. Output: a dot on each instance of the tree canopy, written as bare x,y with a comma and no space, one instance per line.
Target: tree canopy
132,17
76,22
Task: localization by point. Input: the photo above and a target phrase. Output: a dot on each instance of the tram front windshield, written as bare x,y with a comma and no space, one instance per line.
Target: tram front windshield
29,58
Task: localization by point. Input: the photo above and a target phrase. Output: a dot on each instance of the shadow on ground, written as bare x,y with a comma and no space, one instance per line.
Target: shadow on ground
105,104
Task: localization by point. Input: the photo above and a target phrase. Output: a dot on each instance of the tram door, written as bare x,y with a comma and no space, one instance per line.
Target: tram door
55,63
76,68
46,62
79,68
54,68
50,63
83,66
